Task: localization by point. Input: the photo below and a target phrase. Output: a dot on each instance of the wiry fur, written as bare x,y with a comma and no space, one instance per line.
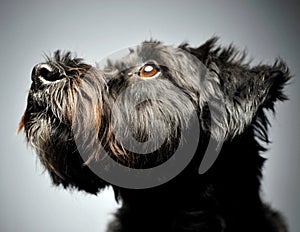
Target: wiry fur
87,104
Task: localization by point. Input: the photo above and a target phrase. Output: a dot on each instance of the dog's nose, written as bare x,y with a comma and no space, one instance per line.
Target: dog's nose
45,72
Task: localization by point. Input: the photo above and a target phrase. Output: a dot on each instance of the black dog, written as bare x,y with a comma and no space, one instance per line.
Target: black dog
145,124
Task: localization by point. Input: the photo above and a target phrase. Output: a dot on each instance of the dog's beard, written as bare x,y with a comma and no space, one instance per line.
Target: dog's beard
49,121
46,127
48,111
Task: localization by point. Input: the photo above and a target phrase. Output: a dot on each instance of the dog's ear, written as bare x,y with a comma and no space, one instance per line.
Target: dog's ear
202,52
268,83
246,92
235,93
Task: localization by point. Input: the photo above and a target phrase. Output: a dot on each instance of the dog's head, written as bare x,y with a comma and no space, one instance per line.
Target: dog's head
137,109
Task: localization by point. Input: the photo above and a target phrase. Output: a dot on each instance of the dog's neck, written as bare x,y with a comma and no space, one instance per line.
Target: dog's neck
214,198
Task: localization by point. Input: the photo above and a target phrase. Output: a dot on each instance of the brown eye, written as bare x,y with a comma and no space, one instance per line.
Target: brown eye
149,71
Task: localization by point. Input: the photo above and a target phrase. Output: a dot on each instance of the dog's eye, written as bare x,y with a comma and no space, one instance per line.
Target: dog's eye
149,71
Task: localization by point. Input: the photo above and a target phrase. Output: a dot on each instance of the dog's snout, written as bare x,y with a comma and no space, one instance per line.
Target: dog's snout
45,72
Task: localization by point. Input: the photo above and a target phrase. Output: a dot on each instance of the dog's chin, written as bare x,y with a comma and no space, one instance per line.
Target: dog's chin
44,130
37,105
42,122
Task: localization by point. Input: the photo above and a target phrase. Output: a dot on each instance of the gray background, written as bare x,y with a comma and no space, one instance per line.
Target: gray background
94,30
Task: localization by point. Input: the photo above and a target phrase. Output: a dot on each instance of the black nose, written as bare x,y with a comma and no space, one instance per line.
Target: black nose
45,72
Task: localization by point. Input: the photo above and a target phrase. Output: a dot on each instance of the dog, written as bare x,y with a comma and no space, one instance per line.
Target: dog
177,132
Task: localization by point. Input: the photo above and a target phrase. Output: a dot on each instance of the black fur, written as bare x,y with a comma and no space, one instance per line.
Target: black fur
70,101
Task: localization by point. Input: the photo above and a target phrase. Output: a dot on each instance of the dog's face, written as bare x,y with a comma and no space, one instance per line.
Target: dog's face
136,108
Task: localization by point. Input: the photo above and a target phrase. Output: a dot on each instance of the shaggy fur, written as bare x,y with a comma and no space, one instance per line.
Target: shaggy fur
107,109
